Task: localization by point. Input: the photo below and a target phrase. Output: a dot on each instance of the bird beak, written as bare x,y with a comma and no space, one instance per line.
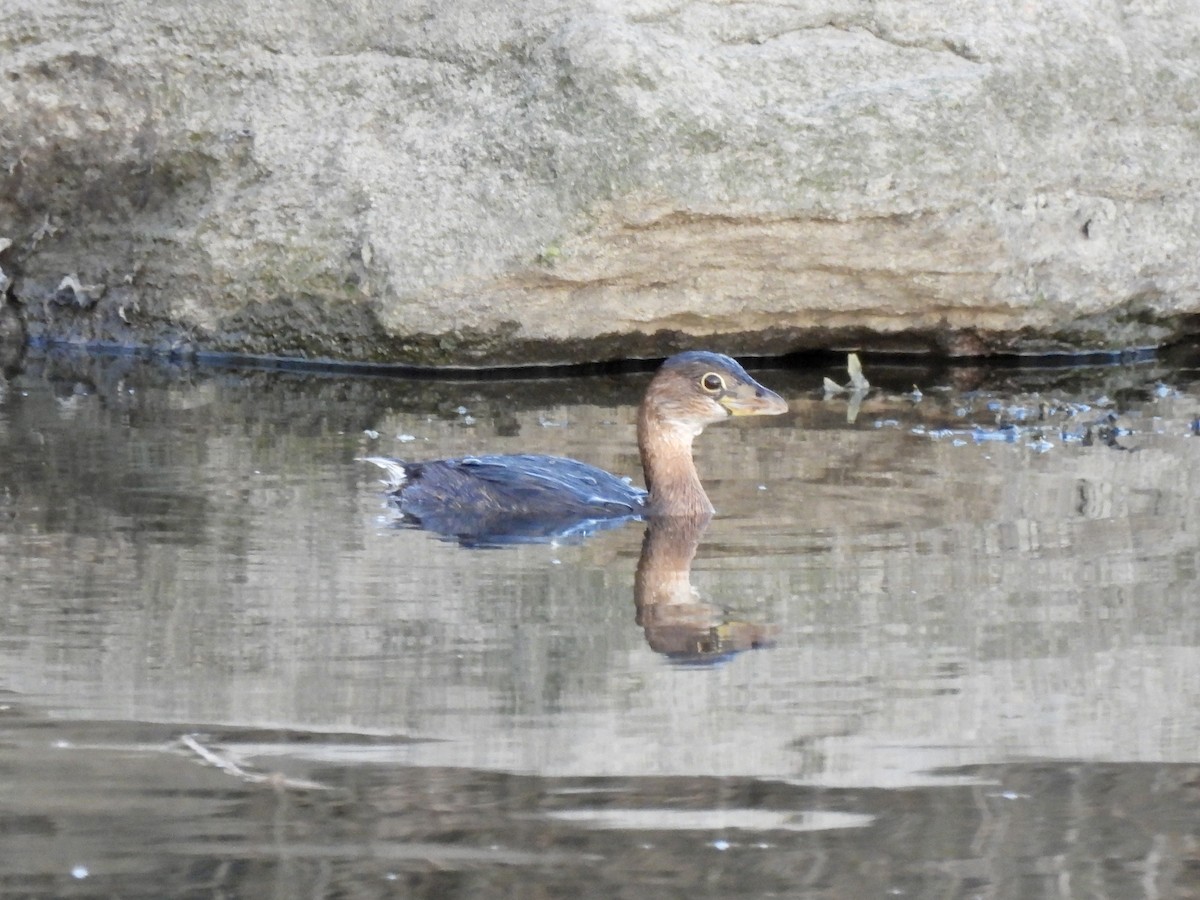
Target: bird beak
753,400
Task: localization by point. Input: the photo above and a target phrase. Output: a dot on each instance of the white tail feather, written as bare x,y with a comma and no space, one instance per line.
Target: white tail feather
392,467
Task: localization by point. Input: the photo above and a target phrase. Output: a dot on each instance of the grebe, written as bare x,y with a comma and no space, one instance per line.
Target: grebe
532,497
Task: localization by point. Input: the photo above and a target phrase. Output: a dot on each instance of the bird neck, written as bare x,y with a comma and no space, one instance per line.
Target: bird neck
671,476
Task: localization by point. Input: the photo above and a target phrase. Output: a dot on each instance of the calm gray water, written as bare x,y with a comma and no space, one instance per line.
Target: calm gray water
950,648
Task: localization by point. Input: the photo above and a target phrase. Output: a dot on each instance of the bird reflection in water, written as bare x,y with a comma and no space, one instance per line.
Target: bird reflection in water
496,500
674,618
676,621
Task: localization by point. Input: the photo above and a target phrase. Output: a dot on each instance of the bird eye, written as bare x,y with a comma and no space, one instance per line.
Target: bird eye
712,382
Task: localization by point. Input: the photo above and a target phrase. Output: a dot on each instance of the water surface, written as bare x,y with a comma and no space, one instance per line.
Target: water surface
936,643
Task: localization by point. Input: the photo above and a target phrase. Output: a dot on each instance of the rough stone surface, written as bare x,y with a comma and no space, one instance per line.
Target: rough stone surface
537,181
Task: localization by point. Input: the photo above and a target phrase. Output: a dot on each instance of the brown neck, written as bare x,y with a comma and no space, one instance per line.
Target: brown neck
664,569
671,476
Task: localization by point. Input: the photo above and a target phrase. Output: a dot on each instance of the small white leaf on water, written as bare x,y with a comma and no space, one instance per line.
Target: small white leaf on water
857,380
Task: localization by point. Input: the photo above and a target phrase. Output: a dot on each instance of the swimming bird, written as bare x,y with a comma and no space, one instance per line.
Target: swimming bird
525,497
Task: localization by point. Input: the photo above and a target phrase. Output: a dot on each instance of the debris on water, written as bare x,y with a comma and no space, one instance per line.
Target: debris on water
82,296
1007,434
1038,421
857,380
372,434
1105,432
406,438
1014,413
857,387
1009,795
224,761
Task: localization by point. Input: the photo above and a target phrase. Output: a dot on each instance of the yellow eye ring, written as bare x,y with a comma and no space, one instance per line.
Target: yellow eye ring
712,382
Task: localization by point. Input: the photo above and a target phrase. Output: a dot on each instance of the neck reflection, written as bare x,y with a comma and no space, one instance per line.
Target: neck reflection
676,621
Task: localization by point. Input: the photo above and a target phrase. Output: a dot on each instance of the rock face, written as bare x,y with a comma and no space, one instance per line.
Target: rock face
504,182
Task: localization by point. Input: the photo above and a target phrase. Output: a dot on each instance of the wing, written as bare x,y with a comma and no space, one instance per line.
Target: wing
491,500
550,482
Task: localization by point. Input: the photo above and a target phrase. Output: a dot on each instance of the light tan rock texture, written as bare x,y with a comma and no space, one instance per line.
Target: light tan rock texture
486,182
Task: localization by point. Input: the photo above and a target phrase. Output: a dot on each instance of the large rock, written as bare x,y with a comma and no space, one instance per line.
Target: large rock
488,182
